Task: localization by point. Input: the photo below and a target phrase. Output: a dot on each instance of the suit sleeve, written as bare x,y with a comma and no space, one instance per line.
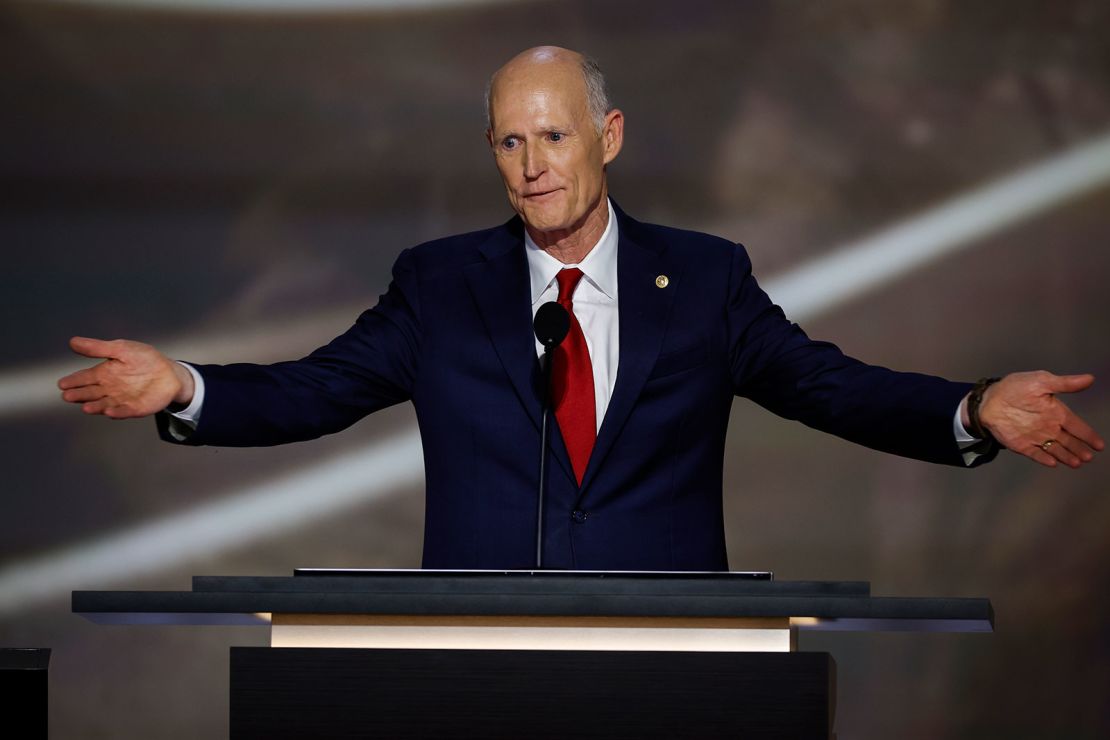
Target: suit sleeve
778,366
371,366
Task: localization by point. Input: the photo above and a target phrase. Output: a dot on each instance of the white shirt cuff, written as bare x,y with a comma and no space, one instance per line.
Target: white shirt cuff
963,438
184,422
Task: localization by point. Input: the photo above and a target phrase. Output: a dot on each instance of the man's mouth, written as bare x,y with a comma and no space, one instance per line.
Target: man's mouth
539,195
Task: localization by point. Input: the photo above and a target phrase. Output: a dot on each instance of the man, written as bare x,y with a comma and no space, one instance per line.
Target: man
667,326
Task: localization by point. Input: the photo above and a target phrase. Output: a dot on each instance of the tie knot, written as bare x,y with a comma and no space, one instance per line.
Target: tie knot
568,280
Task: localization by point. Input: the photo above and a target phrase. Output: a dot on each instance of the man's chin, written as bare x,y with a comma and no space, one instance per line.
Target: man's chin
544,220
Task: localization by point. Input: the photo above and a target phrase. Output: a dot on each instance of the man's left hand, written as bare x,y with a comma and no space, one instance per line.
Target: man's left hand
1024,415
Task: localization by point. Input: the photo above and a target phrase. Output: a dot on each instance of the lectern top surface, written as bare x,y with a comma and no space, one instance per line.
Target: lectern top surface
753,575
821,605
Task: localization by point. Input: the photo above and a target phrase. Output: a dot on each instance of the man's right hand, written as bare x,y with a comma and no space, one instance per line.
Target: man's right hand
134,380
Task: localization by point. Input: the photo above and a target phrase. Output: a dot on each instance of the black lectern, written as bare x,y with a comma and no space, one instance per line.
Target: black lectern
544,654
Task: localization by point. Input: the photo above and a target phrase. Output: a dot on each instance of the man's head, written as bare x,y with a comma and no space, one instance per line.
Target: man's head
552,134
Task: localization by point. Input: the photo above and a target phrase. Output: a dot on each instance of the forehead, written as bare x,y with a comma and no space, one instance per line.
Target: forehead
537,96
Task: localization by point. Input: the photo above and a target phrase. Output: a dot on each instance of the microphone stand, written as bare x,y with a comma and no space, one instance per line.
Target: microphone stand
551,324
546,369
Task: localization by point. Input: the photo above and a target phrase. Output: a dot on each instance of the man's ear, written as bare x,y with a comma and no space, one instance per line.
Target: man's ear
489,137
612,133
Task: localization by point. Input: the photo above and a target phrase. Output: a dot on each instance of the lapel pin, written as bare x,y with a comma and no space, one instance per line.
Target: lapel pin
662,281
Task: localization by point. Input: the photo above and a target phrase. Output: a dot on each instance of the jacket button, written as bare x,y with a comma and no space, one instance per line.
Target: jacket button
578,516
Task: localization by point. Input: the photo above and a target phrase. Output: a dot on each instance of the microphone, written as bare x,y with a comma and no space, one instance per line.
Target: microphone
551,325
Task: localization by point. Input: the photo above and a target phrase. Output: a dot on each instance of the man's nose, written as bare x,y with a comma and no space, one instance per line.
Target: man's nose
534,163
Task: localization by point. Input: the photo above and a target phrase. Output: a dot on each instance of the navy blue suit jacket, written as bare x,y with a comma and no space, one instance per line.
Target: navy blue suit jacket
453,334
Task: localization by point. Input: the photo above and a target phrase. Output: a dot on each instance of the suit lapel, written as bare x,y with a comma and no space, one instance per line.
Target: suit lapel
644,308
501,289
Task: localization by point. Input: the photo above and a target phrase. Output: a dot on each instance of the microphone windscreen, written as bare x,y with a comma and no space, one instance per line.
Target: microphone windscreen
551,324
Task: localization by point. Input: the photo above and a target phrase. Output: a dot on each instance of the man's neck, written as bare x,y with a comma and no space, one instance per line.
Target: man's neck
570,246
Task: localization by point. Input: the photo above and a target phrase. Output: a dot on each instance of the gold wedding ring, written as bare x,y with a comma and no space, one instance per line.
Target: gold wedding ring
1047,443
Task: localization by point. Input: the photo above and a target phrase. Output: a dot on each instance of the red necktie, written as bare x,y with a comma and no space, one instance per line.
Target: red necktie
572,383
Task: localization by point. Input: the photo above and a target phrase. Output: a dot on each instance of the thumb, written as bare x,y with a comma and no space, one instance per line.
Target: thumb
1069,383
90,347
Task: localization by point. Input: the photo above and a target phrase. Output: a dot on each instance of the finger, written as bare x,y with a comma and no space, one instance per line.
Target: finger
1075,446
1059,450
99,406
1069,383
79,378
1038,455
1082,430
90,347
84,394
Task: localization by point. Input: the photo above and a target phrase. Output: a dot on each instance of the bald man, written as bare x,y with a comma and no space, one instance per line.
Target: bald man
665,328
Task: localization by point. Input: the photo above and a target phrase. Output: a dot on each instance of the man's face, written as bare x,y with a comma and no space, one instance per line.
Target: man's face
551,156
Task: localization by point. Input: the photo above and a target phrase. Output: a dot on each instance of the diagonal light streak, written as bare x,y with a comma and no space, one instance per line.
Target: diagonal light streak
850,271
241,517
246,515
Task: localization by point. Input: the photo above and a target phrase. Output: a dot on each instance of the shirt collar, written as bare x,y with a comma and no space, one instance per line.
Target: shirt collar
599,266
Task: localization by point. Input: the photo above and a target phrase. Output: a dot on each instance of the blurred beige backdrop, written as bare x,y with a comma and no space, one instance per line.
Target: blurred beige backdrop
236,185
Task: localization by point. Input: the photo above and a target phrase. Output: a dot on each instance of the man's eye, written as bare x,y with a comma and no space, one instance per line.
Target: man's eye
555,136
509,143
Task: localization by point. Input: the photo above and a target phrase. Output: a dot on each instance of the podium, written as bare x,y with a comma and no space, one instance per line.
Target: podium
537,654
24,691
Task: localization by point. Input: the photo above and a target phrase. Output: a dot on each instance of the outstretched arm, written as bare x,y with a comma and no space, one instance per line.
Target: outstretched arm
1023,413
134,380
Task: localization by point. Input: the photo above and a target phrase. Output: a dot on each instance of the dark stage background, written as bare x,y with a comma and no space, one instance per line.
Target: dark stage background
237,185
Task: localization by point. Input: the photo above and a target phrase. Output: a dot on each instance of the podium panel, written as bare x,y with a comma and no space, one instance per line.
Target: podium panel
409,694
